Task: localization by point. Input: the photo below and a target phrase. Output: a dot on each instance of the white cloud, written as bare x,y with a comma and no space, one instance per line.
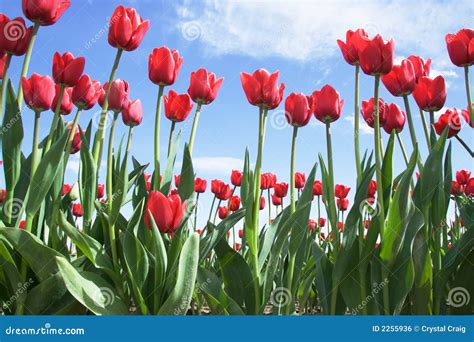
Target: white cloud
73,166
216,165
307,30
363,127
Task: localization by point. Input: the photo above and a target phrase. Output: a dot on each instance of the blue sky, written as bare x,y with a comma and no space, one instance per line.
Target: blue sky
297,38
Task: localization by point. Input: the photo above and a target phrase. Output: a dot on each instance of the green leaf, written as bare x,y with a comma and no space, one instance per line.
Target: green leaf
168,174
186,184
387,172
179,299
323,277
87,179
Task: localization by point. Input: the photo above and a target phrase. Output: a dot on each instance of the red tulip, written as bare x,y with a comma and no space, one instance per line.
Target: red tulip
77,140
164,65
317,188
401,79
469,189
241,233
77,209
261,88
204,86
200,185
311,225
298,109
102,94
127,28
100,191
118,95
267,180
341,191
376,56
236,177
234,203
221,190
67,69
368,110
223,212
322,223
353,45
372,189
461,47
276,200
340,226
430,94
342,204
420,67
366,225
177,179
39,92
65,189
3,60
86,92
300,180
327,104
281,189
43,12
3,194
167,212
66,101
262,203
177,107
463,176
467,117
237,246
132,113
456,188
14,35
449,119
394,119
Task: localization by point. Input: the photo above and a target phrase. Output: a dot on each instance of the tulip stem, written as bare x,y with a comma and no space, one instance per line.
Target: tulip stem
156,174
331,186
193,130
466,146
212,208
100,134
173,124
196,212
54,124
3,86
70,138
411,127
468,92
425,129
356,124
26,62
217,210
269,207
402,148
34,150
432,119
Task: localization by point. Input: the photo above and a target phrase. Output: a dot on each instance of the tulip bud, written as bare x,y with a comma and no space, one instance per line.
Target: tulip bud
45,13
65,190
77,209
234,203
322,223
236,178
394,119
281,189
167,212
341,191
200,185
262,203
177,107
317,188
342,204
132,113
67,69
164,65
300,180
311,225
463,176
100,191
298,109
327,105
3,193
276,200
118,95
127,28
223,212
460,47
267,180
204,86
14,35
39,92
86,92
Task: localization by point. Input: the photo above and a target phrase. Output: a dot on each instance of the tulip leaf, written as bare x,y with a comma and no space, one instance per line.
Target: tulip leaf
328,195
180,298
165,184
387,173
186,184
323,276
87,180
270,235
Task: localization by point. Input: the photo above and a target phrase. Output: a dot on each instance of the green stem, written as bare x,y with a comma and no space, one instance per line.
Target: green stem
54,124
156,177
26,62
432,118
468,92
196,212
173,123
193,130
70,139
35,151
425,129
334,230
217,210
100,134
356,124
466,146
402,148
411,127
4,85
269,207
212,208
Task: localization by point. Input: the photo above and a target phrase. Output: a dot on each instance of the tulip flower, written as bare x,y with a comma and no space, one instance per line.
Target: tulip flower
261,88
353,46
317,188
77,209
3,61
327,104
234,203
203,89
223,212
100,191
372,189
44,13
86,92
262,203
420,67
236,178
322,222
466,115
221,190
67,69
281,189
166,211
394,119
469,189
298,109
300,180
463,176
164,65
14,35
341,191
132,113
376,56
430,94
200,185
456,188
342,204
311,225
241,233
66,189
237,246
367,111
66,100
267,180
177,106
39,92
76,140
127,29
276,200
401,79
449,119
118,96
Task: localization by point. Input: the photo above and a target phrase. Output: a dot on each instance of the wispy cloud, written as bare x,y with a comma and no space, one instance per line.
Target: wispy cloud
216,165
363,127
306,30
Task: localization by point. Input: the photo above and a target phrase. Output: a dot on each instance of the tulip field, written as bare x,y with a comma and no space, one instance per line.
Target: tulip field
133,241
